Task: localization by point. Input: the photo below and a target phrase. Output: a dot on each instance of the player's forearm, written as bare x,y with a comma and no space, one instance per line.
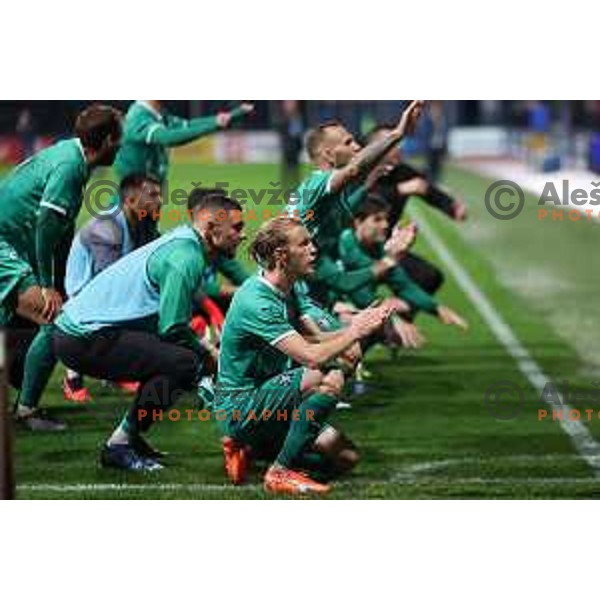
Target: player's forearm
49,233
321,353
186,132
342,281
363,297
440,200
361,164
408,290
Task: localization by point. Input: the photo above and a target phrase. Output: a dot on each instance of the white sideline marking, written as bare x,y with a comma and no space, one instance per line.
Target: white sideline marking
422,473
587,447
209,487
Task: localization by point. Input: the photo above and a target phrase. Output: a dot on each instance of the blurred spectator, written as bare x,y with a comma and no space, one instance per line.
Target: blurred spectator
435,133
25,130
291,132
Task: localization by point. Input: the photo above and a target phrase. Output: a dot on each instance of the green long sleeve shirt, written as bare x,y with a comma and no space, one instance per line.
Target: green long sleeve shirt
355,256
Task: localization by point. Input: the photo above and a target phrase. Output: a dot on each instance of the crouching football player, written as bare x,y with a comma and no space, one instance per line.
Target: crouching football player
132,322
362,245
281,412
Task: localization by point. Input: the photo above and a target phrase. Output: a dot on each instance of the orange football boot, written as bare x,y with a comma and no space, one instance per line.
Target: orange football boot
279,480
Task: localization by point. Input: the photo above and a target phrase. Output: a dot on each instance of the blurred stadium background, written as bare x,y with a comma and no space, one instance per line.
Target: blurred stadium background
425,429
567,131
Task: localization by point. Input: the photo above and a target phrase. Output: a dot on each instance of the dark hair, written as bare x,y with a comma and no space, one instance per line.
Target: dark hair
372,205
197,195
315,138
96,123
135,181
201,199
271,236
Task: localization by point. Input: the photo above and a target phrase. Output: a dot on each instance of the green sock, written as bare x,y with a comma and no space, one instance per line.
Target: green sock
39,364
319,466
303,431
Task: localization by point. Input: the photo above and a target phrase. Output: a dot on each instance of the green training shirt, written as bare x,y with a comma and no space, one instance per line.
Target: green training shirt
39,202
148,135
259,317
355,256
323,212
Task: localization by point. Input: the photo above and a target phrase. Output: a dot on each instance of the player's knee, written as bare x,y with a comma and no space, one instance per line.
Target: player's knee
332,383
31,304
347,459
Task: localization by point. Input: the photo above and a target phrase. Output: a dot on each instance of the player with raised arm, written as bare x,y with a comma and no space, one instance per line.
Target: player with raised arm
397,181
149,131
327,199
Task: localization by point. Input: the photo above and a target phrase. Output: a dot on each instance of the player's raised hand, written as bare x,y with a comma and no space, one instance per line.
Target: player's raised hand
223,119
369,320
401,240
247,107
459,211
448,317
409,118
396,305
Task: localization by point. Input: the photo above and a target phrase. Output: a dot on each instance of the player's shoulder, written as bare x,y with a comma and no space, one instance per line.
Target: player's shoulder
138,116
317,180
66,155
181,250
314,187
101,231
256,292
139,110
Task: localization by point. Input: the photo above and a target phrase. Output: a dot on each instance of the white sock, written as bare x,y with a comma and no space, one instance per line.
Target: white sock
72,374
24,411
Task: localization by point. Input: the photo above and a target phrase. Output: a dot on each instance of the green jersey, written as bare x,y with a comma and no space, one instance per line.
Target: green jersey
49,184
147,136
323,212
355,256
260,316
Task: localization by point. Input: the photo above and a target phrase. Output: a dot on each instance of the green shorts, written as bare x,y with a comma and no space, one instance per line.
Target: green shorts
16,275
261,417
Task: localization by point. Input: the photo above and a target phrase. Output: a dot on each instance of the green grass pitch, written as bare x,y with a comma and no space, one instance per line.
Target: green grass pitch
424,430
